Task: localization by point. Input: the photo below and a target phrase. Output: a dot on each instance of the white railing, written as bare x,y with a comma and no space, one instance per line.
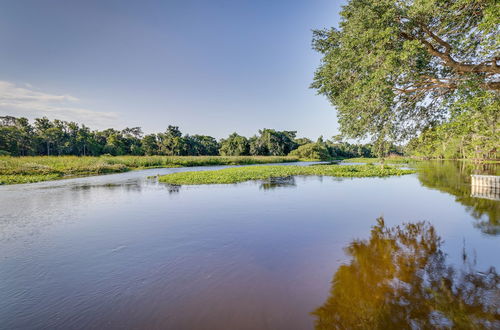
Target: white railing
485,186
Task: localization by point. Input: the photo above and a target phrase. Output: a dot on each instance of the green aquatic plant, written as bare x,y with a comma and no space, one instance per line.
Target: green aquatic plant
241,174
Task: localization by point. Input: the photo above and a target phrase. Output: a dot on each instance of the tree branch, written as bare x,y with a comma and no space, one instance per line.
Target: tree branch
446,55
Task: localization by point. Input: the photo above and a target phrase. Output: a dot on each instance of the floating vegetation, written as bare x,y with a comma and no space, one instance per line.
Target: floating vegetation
241,174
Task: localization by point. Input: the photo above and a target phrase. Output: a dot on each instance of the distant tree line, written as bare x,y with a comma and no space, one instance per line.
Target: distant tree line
19,137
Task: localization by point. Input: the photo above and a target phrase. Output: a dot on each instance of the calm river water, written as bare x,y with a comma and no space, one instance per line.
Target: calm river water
124,252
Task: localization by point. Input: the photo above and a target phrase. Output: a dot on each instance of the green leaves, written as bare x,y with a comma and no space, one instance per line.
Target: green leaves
234,145
472,131
312,151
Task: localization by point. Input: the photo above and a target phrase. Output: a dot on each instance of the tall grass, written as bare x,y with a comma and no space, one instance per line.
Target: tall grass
42,168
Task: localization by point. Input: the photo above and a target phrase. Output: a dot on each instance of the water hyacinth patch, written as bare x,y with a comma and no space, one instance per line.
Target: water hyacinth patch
241,174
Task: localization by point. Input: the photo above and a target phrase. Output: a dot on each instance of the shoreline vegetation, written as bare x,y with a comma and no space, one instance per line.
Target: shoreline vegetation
407,160
242,174
30,169
388,160
43,137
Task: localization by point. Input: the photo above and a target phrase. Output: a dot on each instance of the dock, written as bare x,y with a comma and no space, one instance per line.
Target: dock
485,186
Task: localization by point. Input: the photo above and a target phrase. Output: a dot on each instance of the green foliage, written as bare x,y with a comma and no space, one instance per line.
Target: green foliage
34,169
200,145
395,68
339,149
472,132
45,137
234,145
389,160
302,141
241,174
273,143
312,151
335,148
171,142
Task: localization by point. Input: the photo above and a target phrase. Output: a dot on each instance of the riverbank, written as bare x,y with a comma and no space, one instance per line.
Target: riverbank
14,170
241,174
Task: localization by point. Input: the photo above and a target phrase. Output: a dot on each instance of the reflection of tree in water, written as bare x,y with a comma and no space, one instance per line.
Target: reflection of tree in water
172,188
129,186
281,182
135,186
453,177
398,279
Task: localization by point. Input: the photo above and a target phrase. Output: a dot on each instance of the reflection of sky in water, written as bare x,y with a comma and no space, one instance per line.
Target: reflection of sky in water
126,249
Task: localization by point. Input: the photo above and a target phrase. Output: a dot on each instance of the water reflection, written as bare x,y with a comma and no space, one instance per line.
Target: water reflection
172,188
129,186
453,177
399,279
132,186
280,182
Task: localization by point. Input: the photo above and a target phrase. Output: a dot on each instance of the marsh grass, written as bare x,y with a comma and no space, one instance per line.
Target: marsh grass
241,174
41,168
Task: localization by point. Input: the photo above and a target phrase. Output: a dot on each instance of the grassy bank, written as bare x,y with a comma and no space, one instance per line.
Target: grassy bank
241,174
34,169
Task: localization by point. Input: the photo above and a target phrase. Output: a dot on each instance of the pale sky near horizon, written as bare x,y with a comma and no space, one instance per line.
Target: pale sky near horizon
209,67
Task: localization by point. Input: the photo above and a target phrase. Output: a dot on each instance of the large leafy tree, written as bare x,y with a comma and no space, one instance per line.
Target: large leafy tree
171,143
394,68
16,136
197,145
234,145
273,143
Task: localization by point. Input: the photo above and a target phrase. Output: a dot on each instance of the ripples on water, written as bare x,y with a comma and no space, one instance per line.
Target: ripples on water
123,251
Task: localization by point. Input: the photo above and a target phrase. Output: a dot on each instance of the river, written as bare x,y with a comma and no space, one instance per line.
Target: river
123,251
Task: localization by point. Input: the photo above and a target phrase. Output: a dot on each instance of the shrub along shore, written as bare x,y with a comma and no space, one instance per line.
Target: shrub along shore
42,168
388,160
241,174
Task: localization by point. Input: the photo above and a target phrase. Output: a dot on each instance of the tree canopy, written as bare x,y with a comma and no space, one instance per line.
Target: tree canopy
45,137
273,143
234,145
395,68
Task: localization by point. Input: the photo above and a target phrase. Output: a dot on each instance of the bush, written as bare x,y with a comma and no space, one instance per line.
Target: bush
313,151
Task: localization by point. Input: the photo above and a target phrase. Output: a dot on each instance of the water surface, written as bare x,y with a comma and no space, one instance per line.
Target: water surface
124,251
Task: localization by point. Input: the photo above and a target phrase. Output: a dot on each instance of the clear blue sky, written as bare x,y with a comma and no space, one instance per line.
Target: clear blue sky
209,67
